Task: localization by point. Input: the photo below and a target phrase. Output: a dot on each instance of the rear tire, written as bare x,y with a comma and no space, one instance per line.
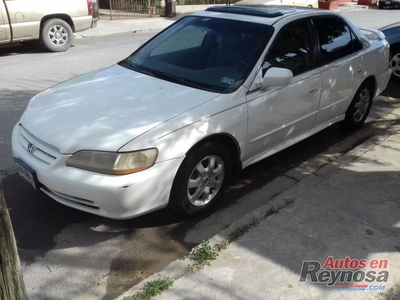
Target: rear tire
201,180
56,35
359,108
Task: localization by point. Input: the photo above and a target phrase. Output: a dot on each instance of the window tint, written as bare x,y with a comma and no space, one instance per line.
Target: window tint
292,49
190,37
212,54
335,38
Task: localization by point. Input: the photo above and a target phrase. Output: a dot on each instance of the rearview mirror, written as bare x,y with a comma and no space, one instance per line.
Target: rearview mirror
275,77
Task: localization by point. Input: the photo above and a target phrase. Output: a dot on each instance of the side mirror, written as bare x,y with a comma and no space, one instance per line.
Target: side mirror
275,77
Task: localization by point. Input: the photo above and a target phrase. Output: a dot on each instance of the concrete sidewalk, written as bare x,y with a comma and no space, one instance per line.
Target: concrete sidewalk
107,27
350,208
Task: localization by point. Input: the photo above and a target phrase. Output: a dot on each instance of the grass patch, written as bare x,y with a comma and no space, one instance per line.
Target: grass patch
204,253
152,288
222,245
201,256
241,230
271,211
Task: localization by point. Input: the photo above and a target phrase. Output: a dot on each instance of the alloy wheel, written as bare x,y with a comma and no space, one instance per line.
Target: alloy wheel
205,180
361,105
58,35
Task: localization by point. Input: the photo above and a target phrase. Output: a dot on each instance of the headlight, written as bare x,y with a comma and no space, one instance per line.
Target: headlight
113,163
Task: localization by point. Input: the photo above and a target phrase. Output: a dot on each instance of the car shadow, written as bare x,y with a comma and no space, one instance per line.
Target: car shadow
29,47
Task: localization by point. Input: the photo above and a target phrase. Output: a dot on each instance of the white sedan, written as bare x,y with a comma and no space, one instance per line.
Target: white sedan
214,93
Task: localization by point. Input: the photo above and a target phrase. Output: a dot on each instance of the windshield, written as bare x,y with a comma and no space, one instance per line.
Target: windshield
205,53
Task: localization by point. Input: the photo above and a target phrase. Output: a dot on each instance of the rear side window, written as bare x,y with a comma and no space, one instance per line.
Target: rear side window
336,39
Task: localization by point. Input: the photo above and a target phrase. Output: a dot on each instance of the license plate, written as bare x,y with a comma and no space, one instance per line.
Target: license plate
27,173
387,2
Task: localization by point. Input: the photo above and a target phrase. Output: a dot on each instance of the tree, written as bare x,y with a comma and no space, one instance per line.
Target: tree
11,282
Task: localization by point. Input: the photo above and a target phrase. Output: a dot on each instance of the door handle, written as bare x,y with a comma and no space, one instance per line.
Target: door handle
312,92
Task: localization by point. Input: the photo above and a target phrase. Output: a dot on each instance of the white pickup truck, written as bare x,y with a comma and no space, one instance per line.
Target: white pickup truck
52,22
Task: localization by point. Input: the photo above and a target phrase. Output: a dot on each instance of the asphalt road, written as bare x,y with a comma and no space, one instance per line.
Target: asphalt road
67,254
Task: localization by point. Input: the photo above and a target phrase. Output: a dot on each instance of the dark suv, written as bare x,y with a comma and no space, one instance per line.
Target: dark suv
389,3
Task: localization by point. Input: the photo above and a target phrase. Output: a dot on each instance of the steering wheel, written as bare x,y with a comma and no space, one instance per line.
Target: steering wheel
237,62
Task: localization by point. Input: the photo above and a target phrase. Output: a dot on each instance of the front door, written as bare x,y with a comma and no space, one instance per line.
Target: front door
276,115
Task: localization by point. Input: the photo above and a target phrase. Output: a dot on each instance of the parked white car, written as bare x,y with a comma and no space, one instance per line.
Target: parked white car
214,93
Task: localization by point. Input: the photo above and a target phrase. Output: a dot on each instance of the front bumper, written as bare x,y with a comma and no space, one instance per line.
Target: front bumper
115,197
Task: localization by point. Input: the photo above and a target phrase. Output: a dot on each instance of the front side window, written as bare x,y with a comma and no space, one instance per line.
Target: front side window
335,38
205,53
292,49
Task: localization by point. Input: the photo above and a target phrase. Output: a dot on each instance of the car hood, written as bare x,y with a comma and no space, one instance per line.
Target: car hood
106,109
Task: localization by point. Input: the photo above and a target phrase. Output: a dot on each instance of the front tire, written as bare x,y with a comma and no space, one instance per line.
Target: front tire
56,35
359,108
201,180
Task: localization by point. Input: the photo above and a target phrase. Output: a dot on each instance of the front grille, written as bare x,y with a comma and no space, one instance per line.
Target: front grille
38,148
68,200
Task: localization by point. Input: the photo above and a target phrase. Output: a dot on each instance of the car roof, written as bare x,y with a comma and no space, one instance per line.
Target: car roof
258,13
253,10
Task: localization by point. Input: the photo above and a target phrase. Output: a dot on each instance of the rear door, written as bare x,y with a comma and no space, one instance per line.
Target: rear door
5,35
341,66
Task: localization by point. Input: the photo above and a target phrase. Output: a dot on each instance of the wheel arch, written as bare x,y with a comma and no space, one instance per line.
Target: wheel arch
371,80
179,204
229,142
63,17
349,121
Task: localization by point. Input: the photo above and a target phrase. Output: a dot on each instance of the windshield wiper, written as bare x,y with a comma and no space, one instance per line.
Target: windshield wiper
125,63
162,75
